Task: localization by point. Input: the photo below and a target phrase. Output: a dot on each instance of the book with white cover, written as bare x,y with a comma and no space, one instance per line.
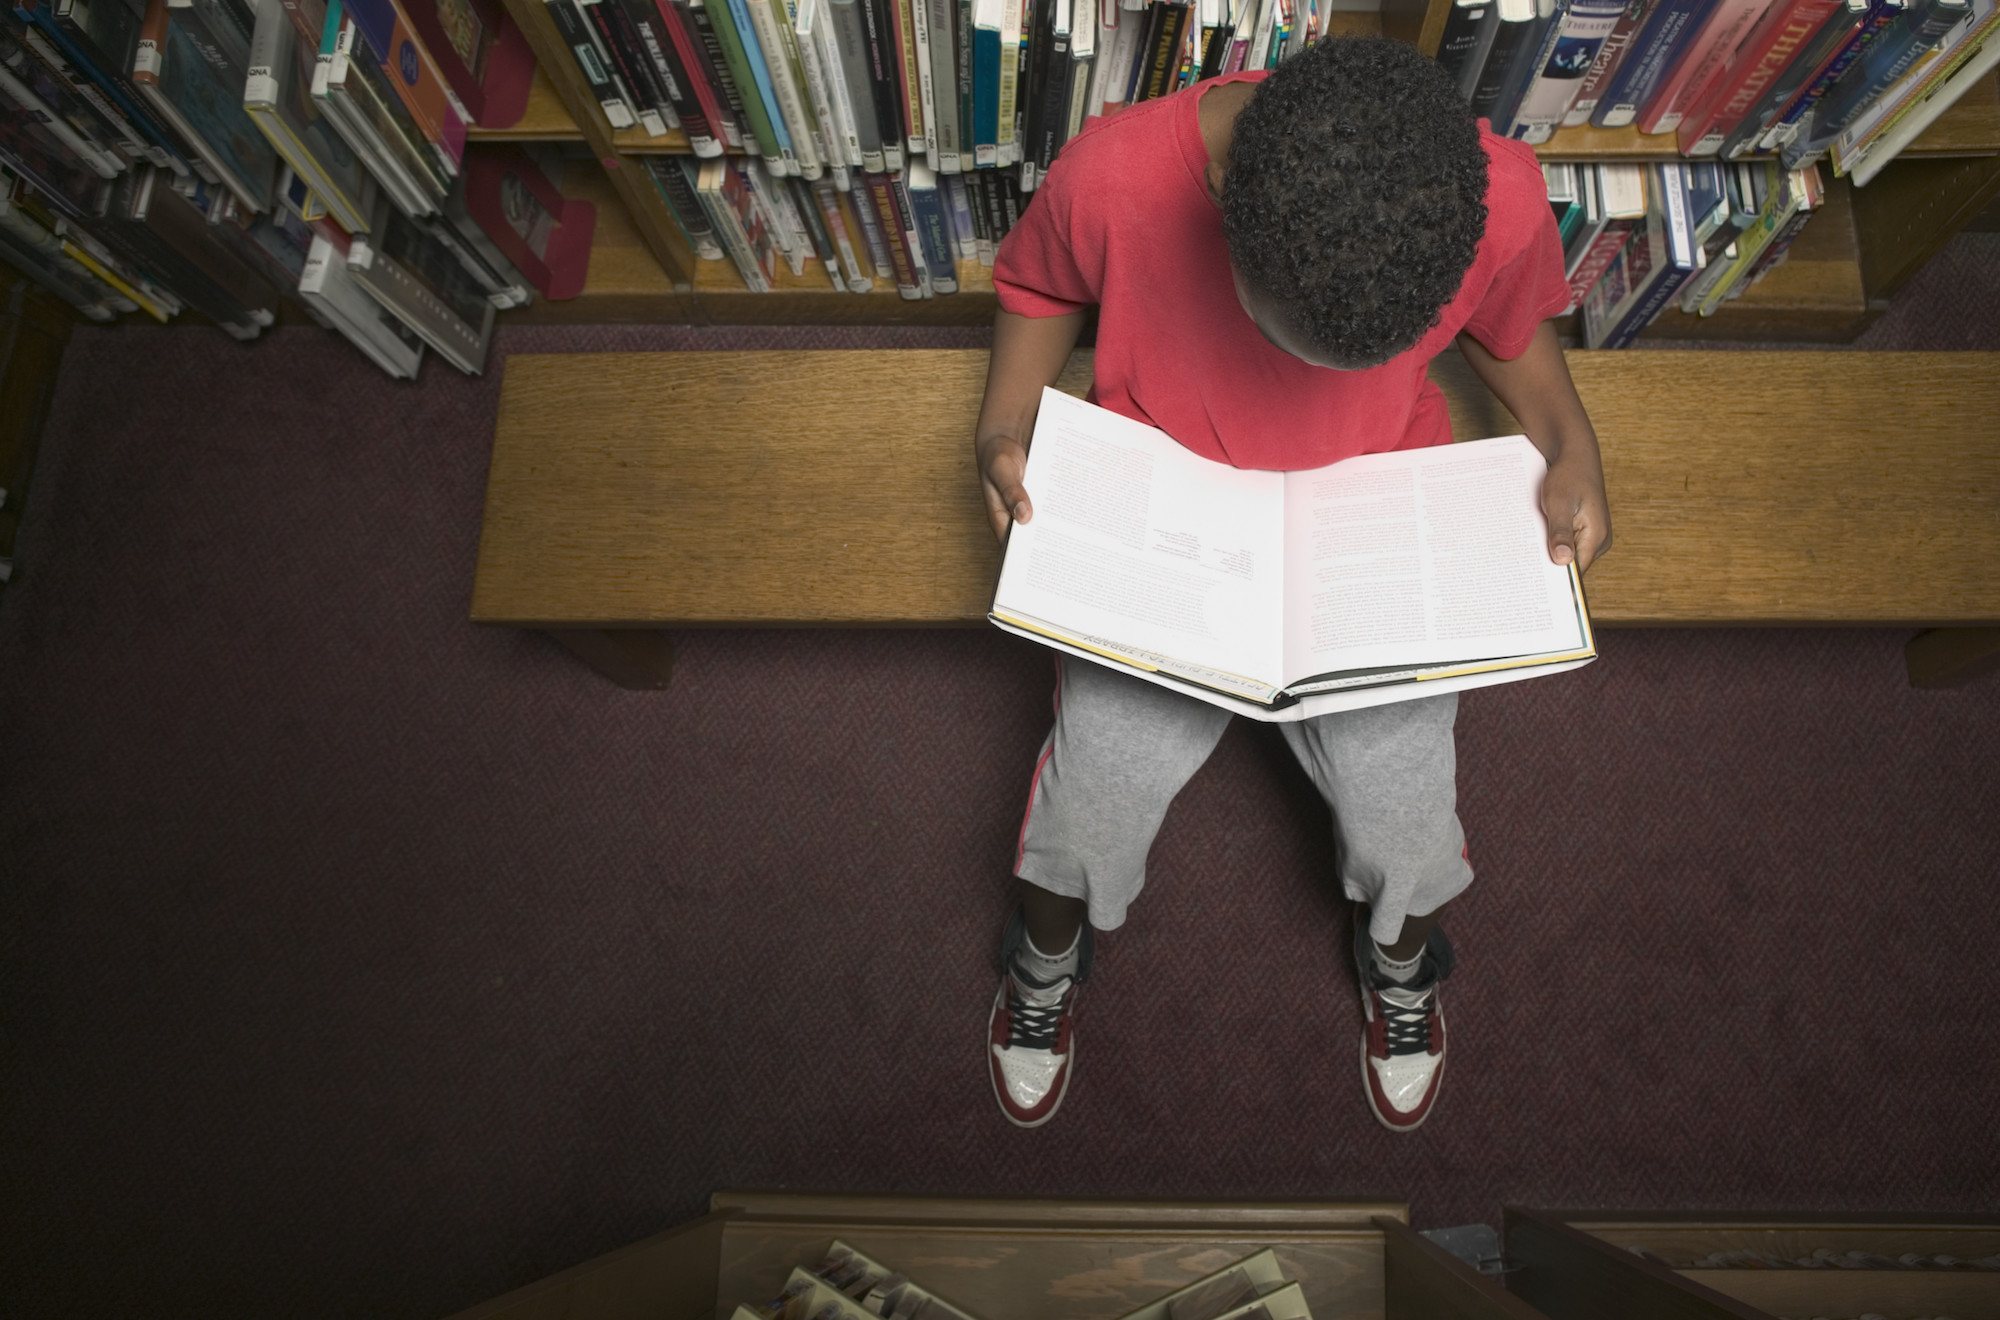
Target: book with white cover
1285,595
1223,1293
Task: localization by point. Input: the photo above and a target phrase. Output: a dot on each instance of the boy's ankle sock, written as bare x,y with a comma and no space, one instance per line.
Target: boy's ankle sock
1048,968
1402,973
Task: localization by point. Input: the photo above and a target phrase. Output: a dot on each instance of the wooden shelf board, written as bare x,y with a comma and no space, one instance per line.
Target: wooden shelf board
1970,128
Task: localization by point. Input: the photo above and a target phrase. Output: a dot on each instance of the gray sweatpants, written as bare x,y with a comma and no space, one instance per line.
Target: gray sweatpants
1122,748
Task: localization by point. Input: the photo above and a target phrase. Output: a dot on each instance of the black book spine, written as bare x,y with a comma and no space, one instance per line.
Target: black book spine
576,36
884,76
1053,103
1461,37
699,24
1135,82
681,200
1217,51
630,64
1499,61
668,71
1034,84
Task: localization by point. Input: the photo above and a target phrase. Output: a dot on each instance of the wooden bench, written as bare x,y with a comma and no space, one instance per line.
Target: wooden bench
636,493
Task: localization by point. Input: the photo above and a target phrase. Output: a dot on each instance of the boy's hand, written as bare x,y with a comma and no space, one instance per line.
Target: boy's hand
1579,516
1003,461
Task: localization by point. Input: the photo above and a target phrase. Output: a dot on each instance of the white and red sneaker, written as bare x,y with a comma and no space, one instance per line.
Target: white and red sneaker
1031,1035
1402,1039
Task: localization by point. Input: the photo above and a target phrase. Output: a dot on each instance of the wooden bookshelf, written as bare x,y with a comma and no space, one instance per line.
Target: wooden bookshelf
1841,272
1969,128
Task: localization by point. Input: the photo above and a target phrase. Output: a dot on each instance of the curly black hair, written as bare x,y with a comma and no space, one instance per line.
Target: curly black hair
1354,196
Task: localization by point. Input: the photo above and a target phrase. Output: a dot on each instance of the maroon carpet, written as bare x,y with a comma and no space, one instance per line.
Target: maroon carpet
358,960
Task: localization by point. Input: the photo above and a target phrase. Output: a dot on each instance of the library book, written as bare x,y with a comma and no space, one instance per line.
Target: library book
1287,595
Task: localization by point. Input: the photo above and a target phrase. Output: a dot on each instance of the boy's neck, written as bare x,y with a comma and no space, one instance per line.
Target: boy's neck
1219,105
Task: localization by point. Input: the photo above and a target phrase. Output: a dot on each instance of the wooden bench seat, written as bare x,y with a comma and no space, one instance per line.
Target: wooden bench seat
672,490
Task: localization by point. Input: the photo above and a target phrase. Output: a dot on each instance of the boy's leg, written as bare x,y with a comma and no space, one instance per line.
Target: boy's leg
1390,775
1120,751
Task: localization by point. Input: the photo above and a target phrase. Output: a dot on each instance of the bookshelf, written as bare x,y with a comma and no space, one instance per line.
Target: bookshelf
1848,261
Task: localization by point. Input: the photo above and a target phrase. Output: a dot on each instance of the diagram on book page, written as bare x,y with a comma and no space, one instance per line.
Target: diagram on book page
1140,543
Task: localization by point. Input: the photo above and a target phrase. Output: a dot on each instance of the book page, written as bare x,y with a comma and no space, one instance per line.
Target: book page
1139,546
1422,557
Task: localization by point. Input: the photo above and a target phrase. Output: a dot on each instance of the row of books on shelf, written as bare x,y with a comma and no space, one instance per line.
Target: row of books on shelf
908,229
161,155
844,1284
1687,235
817,87
1851,79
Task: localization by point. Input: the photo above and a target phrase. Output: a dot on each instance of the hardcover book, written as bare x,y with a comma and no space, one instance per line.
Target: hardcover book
1285,595
204,103
276,95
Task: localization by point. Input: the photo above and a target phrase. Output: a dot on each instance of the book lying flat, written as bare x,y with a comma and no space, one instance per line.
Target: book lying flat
1285,595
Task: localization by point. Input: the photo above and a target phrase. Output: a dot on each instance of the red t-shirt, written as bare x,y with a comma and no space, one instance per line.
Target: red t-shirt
1124,220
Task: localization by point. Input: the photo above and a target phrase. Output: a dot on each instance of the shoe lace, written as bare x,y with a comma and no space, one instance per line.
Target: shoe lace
1035,1010
1406,1020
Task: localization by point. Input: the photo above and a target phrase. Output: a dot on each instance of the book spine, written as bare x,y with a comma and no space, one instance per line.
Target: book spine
827,199
103,85
731,21
962,51
830,143
986,86
799,126
903,65
1537,47
1650,60
1461,36
807,212
965,244
1925,25
884,78
839,95
1580,34
1007,147
1512,33
575,34
899,197
861,204
1759,63
1616,44
1866,160
851,38
415,76
691,65
700,28
1750,127
881,193
1704,59
1785,125
942,103
672,74
1597,259
632,72
933,230
920,90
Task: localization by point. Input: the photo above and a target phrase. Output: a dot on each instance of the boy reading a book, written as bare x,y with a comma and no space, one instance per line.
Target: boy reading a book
1275,260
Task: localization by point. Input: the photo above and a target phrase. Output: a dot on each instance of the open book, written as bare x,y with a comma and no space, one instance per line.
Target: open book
1284,595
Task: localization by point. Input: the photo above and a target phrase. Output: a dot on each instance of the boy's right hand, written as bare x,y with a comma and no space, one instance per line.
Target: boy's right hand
1003,461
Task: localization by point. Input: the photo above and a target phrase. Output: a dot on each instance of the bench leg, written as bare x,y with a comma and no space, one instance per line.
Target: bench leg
1949,657
641,659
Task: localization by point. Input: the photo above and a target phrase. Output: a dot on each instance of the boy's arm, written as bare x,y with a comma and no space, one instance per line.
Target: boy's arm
1029,352
1537,389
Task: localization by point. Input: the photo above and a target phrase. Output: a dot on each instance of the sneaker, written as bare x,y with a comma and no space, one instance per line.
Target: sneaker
1402,1041
1031,1034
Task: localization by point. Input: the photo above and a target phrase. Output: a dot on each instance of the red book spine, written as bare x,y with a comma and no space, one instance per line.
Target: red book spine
688,46
1603,251
1700,64
1759,60
883,195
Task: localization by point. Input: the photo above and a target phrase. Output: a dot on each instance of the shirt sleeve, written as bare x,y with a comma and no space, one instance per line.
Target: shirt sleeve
1527,290
1036,272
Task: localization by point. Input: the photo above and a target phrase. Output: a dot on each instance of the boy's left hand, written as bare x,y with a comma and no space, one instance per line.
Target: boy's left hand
1578,513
